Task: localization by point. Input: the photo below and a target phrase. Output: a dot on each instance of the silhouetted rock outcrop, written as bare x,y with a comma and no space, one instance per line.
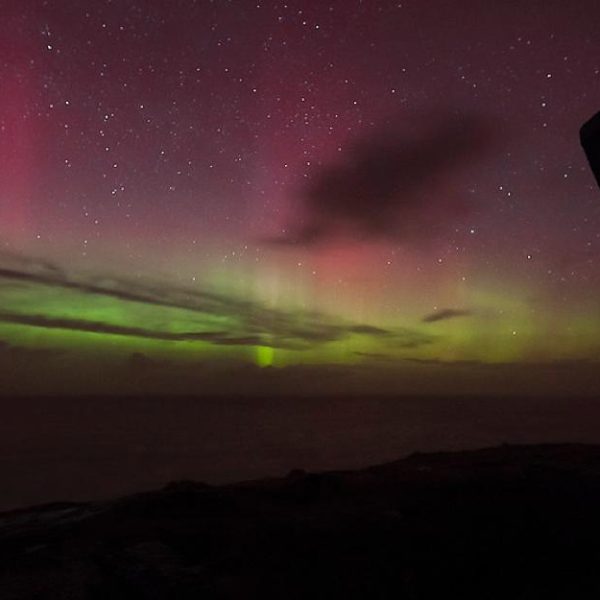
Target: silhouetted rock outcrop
508,522
590,140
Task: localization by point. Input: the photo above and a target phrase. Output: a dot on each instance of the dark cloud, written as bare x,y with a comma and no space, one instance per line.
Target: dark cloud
446,314
87,326
293,338
388,186
375,356
249,323
170,297
370,330
35,265
450,363
555,366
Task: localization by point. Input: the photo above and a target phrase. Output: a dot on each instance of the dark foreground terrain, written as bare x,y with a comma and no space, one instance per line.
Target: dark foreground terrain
509,522
98,448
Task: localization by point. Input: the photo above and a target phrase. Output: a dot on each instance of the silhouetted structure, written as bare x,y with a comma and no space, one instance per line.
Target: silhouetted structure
590,140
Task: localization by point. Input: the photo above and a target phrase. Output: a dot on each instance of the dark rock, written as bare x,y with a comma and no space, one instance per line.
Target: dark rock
590,140
507,522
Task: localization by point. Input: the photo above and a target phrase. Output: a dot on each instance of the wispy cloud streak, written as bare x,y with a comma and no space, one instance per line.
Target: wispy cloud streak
249,323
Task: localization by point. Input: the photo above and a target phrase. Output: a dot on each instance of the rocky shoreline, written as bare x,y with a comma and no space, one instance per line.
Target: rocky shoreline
505,522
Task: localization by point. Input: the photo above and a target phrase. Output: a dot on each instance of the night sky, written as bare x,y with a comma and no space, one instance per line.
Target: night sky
311,197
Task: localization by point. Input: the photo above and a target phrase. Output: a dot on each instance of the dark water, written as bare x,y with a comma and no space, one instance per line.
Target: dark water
79,449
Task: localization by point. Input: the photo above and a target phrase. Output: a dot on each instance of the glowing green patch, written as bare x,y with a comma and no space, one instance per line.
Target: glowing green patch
264,356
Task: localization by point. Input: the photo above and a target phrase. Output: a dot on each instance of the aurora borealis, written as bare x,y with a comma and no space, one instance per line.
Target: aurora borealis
387,196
